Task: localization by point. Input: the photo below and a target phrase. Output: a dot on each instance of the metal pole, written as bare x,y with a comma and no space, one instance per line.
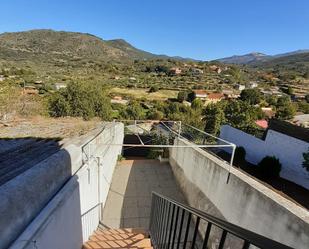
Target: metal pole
99,186
231,163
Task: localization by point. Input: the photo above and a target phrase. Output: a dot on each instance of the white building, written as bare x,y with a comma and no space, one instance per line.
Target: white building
58,86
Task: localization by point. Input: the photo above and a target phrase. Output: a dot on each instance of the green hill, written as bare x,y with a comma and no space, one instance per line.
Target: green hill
46,44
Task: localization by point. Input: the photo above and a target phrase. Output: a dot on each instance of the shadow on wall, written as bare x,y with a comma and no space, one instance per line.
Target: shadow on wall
32,171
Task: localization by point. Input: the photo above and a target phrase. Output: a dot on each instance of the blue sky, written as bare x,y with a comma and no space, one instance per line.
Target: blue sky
200,29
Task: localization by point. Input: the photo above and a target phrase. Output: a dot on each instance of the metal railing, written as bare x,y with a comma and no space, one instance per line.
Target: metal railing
175,225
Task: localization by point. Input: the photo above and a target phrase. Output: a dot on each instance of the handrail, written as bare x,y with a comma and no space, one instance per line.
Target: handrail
247,236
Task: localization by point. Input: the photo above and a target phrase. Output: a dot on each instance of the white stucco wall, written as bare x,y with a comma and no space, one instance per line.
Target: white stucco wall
242,201
74,213
288,149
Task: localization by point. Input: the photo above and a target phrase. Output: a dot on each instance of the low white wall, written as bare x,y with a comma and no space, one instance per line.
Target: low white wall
288,149
243,201
74,212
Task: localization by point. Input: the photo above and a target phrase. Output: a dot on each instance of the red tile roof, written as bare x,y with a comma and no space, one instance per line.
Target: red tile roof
262,123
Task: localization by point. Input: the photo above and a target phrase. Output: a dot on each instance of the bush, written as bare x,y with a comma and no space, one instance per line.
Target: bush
240,154
269,167
182,95
153,89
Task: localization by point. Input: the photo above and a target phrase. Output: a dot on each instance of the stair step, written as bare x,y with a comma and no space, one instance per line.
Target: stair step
126,238
123,231
103,236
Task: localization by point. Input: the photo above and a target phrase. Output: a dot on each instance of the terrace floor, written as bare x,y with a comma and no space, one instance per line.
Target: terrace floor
129,199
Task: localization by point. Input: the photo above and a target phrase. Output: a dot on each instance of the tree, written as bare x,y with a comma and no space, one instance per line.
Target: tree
306,160
155,115
197,104
239,114
307,98
214,118
191,96
80,100
182,95
134,111
285,108
252,96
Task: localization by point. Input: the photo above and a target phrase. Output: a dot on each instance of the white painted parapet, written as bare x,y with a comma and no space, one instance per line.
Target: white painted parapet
57,203
242,201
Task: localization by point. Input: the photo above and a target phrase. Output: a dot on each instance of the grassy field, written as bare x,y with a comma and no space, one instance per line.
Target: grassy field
138,93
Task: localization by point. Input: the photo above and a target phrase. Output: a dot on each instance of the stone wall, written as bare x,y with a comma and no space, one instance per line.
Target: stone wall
242,201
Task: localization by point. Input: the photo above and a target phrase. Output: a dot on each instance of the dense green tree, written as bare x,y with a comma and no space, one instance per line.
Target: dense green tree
252,96
307,98
80,100
134,111
197,104
155,115
213,117
285,108
182,95
303,107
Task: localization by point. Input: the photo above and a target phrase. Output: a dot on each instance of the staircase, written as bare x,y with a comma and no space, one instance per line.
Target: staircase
118,238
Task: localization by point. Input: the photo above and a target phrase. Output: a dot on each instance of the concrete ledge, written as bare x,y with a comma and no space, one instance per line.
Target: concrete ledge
243,201
26,195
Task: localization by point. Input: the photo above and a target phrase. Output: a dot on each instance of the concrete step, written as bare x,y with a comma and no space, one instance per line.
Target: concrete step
118,239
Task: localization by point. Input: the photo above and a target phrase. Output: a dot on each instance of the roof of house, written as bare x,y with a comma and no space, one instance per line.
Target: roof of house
201,92
262,123
215,96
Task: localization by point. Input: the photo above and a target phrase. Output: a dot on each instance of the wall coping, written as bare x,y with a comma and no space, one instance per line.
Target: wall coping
297,210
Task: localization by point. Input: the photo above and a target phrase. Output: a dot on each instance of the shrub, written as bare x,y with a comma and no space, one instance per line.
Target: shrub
240,154
153,89
269,167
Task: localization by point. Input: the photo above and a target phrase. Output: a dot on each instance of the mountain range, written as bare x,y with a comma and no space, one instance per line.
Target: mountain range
44,43
256,57
42,46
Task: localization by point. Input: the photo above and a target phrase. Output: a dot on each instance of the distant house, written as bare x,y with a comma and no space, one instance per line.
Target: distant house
301,120
215,68
240,87
2,78
272,92
119,100
59,86
175,71
214,97
228,93
30,90
252,85
200,94
196,71
268,111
